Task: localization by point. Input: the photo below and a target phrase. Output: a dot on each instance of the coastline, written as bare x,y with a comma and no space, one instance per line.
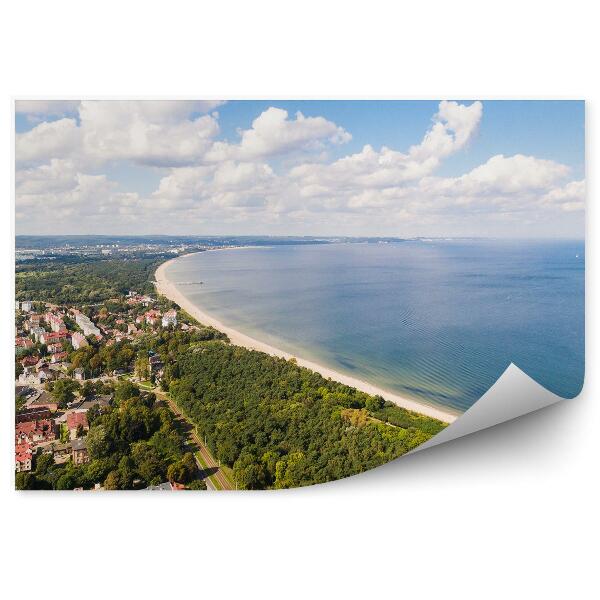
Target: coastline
169,290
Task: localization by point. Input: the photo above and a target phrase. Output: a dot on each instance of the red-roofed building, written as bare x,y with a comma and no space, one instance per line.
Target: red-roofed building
55,321
29,361
54,336
23,343
152,316
23,455
74,421
35,432
58,357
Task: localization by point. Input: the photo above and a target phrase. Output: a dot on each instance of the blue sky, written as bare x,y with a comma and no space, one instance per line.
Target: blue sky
547,129
296,171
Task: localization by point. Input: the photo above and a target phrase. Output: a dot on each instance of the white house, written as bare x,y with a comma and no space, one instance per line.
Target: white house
86,324
169,318
78,340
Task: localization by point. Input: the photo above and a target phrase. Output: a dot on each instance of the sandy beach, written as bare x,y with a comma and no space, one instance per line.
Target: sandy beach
166,288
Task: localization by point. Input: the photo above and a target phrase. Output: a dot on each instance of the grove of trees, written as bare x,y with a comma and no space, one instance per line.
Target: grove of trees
278,425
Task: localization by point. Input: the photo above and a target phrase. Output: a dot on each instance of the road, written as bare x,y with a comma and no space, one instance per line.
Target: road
216,478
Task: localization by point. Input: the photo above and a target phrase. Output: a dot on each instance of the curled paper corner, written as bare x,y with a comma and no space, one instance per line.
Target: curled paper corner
514,394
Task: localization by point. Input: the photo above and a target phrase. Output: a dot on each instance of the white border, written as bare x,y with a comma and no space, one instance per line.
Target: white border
506,513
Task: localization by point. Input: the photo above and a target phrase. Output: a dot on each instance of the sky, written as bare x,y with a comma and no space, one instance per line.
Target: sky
325,168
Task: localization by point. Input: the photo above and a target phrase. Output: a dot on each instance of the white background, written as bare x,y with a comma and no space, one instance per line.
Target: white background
507,513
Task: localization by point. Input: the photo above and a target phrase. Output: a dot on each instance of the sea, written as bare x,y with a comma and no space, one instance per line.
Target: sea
434,320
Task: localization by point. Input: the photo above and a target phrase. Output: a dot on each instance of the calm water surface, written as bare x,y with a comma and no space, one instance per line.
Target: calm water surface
438,321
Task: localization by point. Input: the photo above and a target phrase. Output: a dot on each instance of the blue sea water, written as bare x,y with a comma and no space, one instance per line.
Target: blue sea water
438,321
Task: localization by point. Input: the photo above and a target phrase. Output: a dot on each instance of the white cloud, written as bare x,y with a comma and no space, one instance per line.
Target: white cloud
49,140
162,133
58,175
273,133
569,198
214,185
151,133
454,125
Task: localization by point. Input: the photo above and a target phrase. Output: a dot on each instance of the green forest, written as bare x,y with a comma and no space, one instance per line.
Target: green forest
279,425
84,282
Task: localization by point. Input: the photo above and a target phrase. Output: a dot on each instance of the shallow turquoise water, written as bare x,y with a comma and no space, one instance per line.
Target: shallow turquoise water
438,321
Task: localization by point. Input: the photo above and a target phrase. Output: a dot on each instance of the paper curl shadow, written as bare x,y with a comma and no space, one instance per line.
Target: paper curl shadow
514,394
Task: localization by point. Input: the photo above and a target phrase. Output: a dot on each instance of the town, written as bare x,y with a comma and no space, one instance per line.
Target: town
118,388
71,363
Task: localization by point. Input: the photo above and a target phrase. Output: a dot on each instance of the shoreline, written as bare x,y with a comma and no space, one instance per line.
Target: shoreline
168,289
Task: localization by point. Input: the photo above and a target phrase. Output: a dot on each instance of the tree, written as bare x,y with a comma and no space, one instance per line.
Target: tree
142,368
248,473
88,390
197,484
112,481
24,481
125,390
67,481
93,414
43,463
63,391
176,472
126,472
374,403
97,442
148,463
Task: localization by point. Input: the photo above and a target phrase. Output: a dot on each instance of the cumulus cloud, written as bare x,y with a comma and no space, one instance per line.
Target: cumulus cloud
223,187
49,140
160,133
273,133
454,125
569,198
151,133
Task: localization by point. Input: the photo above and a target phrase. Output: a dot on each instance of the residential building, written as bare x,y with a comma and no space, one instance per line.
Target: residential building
58,357
23,454
169,318
54,321
56,347
45,374
37,332
33,413
167,486
29,361
23,343
51,337
26,306
78,340
152,317
75,420
44,400
60,452
86,324
79,452
155,363
35,432
79,374
85,405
